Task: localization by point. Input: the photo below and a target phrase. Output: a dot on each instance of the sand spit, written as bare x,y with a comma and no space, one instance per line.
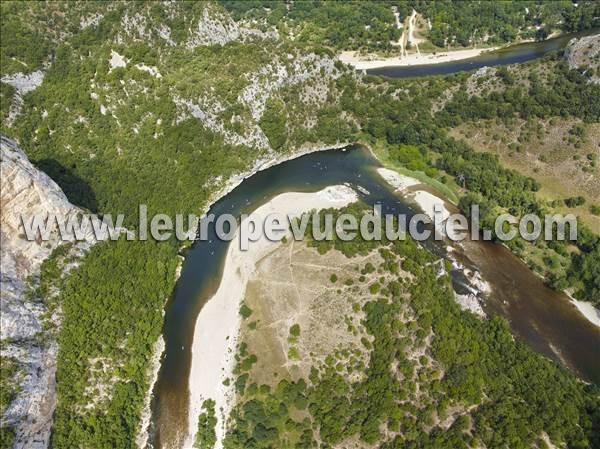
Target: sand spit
218,324
366,62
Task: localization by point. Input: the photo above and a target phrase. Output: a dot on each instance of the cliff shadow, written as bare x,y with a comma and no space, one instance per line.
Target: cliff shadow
78,191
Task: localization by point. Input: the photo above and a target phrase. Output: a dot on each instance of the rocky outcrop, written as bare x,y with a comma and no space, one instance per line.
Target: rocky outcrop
23,83
28,191
216,27
584,54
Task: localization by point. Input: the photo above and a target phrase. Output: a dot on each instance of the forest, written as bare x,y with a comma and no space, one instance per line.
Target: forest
468,23
112,306
144,151
356,25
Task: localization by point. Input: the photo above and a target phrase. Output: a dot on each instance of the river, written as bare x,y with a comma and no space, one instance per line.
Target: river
545,319
510,55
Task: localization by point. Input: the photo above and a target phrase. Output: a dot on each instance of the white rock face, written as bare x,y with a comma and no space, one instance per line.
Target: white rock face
583,53
213,29
218,28
276,75
207,111
150,69
91,20
26,190
22,83
116,60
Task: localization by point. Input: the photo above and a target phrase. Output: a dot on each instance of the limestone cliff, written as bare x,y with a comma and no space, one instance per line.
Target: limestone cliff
26,190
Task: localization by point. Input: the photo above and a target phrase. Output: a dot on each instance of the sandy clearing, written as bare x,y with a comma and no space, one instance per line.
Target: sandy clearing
411,31
428,202
218,323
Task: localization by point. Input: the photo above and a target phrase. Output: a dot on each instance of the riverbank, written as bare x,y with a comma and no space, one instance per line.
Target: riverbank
263,164
217,326
411,188
229,185
367,62
588,310
427,201
380,152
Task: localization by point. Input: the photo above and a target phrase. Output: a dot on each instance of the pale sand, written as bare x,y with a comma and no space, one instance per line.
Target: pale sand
425,200
218,323
428,202
396,180
367,62
231,184
591,313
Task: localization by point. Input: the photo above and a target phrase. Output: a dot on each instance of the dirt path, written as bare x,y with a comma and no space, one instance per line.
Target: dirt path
399,26
411,29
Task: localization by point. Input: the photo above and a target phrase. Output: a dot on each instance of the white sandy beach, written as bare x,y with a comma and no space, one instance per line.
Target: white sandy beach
218,324
228,186
396,180
426,201
366,62
591,313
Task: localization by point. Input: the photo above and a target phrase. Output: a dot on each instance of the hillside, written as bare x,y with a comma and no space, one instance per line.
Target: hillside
30,319
432,25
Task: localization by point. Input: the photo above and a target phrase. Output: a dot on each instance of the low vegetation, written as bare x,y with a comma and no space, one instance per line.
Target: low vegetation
9,370
372,27
112,315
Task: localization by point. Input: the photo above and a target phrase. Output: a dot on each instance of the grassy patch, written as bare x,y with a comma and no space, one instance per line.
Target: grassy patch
449,190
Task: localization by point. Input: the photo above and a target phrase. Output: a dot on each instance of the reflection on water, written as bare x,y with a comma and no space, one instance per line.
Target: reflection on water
543,318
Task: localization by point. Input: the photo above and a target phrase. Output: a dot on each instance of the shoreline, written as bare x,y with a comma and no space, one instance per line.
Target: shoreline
367,62
217,326
235,181
372,61
409,187
426,201
232,182
587,309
